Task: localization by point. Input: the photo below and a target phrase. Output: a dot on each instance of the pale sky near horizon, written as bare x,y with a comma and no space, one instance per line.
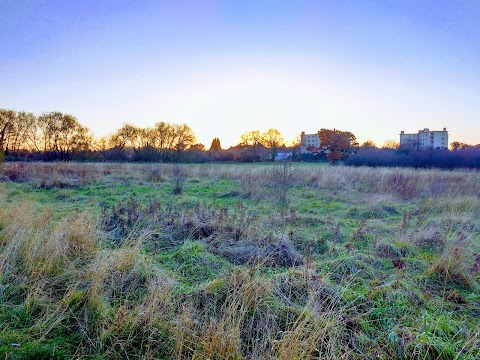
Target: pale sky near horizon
372,67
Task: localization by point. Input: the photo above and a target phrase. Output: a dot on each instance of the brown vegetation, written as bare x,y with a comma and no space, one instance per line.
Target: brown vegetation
393,273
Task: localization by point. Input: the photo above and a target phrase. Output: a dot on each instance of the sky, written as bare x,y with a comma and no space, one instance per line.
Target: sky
372,67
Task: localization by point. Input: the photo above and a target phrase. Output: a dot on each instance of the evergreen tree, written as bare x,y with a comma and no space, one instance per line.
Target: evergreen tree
215,145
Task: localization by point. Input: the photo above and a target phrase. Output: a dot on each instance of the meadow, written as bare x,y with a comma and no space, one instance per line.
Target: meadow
238,261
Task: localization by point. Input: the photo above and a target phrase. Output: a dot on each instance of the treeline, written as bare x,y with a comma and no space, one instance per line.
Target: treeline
441,159
54,135
58,136
171,142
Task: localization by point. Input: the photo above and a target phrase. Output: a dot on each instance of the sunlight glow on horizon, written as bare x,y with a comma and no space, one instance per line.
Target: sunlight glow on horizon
224,68
227,102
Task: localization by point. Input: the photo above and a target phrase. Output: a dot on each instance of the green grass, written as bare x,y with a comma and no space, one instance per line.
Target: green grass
193,265
146,273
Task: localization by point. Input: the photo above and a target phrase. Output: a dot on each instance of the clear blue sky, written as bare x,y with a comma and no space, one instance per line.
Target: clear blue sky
373,67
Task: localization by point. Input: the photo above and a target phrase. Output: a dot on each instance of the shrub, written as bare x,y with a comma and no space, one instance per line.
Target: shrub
442,159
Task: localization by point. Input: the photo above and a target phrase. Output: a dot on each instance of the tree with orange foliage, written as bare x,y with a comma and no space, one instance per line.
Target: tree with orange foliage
337,144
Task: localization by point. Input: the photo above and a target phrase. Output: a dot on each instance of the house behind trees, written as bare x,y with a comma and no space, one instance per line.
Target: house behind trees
424,139
310,143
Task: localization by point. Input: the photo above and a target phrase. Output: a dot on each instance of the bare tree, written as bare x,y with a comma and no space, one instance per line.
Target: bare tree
18,137
7,118
163,138
273,139
368,144
184,138
62,134
391,144
127,137
251,138
101,146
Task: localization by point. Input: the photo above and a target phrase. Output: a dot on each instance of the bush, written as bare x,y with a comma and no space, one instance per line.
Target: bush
442,159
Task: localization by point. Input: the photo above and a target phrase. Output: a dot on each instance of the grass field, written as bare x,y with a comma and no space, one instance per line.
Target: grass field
219,261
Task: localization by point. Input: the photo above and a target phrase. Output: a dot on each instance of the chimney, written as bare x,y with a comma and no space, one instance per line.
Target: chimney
402,132
444,129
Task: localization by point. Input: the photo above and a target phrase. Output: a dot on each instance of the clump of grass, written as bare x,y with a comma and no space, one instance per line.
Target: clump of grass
78,290
279,179
130,302
170,227
273,182
251,185
391,249
453,205
38,247
15,172
194,264
240,301
360,231
178,176
429,239
120,219
46,175
156,174
274,252
453,264
401,183
248,325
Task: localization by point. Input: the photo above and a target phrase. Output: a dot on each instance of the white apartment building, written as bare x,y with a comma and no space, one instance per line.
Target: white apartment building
425,139
309,143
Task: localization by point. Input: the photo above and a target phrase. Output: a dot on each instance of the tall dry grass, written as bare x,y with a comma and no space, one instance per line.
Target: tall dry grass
404,183
123,304
69,278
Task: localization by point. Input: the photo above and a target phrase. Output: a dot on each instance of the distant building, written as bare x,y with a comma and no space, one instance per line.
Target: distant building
282,156
310,143
425,139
